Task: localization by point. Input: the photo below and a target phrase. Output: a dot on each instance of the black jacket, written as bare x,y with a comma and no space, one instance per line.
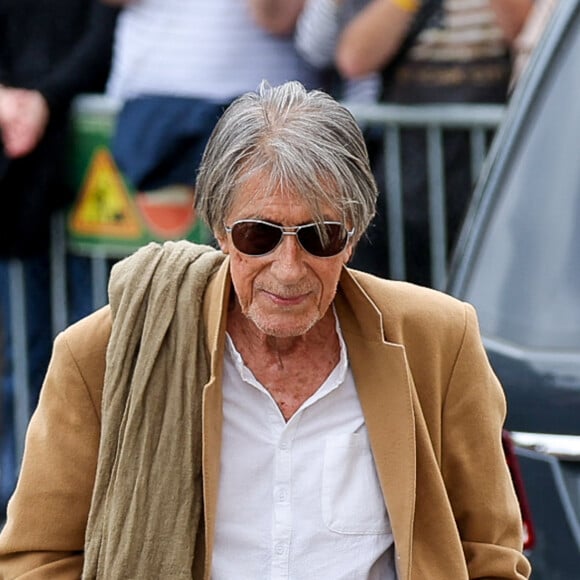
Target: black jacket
61,48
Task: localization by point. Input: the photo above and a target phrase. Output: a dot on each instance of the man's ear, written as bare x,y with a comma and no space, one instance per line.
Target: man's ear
348,253
223,242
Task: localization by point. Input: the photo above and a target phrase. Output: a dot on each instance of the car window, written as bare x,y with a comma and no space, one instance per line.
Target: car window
525,280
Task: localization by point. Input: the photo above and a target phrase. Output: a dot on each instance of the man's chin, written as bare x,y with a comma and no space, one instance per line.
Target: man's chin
285,326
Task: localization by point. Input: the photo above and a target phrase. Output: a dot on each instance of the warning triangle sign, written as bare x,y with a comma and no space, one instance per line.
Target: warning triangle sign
104,206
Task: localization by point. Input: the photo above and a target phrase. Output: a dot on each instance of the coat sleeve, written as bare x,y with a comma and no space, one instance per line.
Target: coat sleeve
47,515
474,468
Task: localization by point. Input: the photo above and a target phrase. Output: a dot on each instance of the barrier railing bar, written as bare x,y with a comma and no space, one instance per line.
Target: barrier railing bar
58,274
394,202
100,274
18,326
453,115
478,149
437,213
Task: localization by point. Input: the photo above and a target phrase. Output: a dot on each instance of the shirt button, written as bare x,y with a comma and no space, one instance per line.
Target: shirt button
284,445
279,549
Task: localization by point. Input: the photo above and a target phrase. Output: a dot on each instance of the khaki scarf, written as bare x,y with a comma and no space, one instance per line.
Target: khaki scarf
145,516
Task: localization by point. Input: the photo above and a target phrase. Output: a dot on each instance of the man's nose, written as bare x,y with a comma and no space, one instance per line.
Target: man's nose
288,257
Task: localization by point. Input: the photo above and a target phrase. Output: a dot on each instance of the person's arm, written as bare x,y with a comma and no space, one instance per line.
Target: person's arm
276,16
473,464
511,16
373,37
47,515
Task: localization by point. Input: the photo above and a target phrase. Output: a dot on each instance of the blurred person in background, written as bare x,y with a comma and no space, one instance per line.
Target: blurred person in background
50,52
460,53
177,64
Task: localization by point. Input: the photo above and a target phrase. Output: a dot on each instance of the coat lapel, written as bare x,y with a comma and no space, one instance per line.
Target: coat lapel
384,386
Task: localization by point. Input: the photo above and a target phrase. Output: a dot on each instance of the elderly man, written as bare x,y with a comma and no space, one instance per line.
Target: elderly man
262,411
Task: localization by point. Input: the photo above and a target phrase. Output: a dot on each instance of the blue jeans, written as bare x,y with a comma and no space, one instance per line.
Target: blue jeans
39,335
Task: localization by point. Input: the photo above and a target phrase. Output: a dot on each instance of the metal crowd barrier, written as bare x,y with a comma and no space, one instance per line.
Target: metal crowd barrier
99,269
434,119
479,120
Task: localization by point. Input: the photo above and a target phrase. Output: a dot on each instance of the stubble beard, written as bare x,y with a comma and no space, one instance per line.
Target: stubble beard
270,326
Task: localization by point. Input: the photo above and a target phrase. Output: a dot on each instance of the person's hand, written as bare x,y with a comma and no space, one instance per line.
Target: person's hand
23,118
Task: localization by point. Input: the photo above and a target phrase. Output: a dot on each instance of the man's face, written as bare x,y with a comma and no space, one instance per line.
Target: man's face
286,292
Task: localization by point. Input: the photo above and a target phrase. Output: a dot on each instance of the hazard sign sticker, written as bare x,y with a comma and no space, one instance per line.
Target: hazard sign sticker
104,207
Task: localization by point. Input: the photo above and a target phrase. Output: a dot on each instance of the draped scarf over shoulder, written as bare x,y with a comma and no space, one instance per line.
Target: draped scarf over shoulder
146,516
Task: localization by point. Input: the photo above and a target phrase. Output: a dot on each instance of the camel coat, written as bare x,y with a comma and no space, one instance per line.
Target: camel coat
434,412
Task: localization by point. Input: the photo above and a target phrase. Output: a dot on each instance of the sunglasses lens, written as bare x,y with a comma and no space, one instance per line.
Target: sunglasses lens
255,238
323,240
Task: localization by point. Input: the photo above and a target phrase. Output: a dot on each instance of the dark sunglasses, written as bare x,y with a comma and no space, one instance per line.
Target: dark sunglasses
258,238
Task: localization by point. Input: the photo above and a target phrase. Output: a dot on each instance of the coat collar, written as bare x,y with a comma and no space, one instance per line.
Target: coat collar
384,386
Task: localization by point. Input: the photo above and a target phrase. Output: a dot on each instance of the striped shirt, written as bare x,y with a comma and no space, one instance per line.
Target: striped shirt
467,31
199,48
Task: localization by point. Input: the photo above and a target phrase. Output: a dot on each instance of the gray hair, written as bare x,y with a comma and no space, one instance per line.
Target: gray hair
304,141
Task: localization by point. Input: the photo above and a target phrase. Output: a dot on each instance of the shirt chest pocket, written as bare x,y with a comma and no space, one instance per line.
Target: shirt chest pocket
352,501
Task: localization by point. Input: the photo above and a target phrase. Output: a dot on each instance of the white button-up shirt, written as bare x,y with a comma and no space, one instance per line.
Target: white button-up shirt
298,499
